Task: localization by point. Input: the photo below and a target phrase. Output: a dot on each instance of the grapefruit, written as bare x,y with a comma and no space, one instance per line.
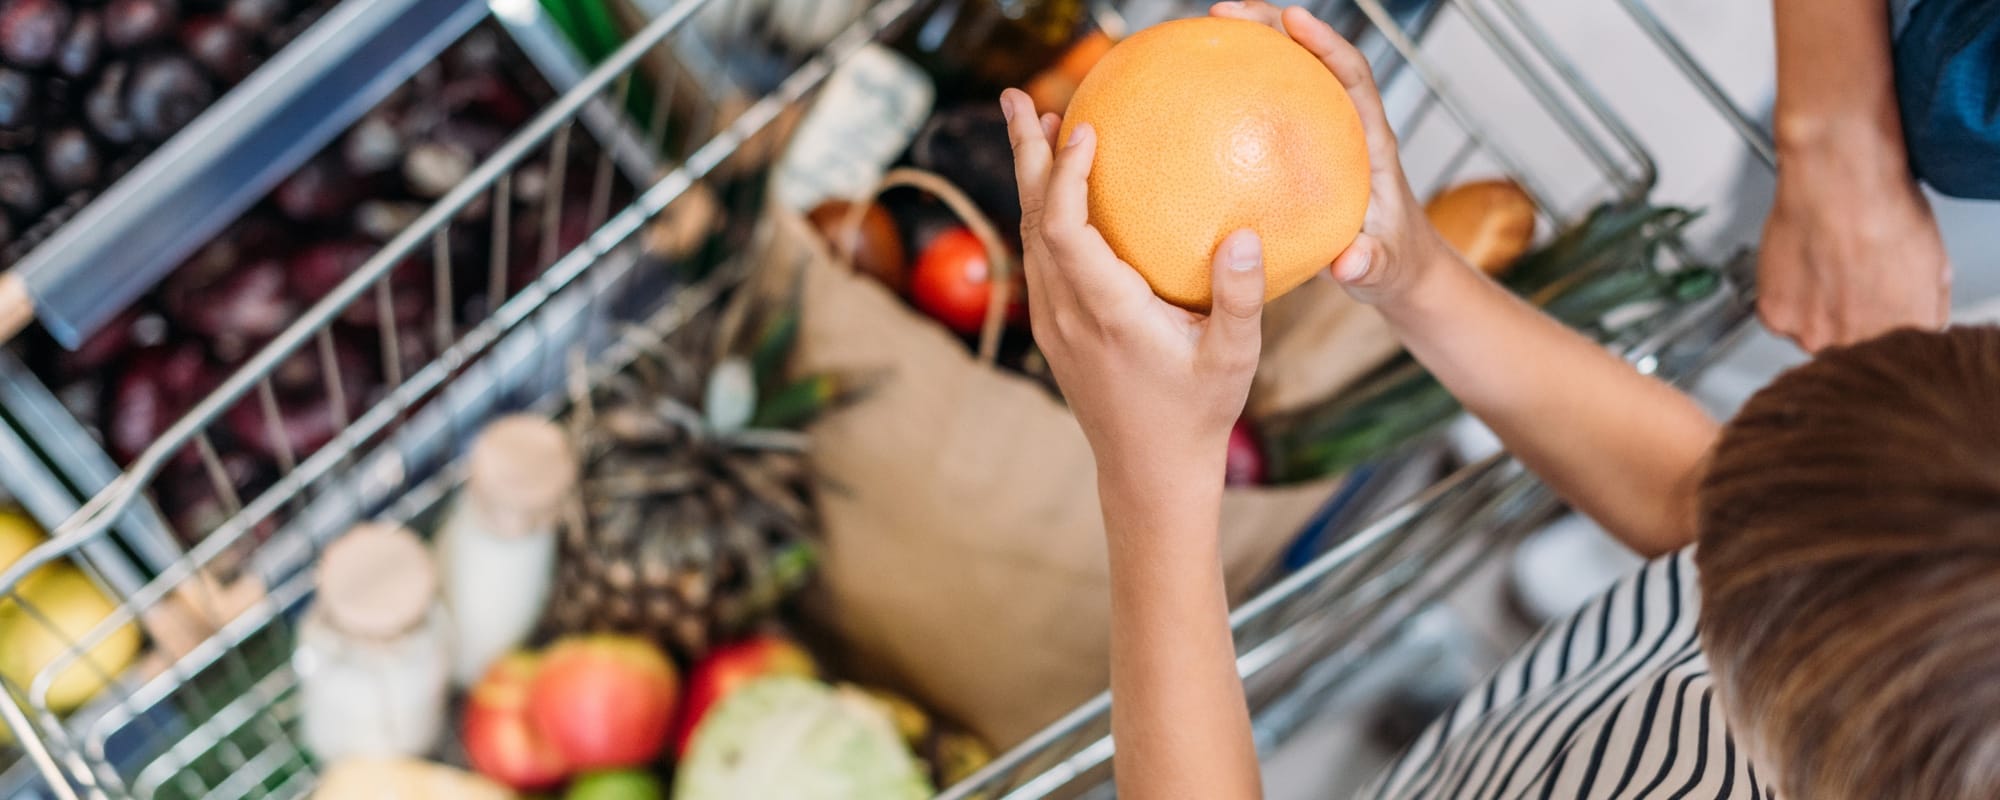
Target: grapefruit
1209,125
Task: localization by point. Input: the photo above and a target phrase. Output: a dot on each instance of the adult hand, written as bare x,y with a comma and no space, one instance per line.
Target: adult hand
1397,245
1850,250
1154,387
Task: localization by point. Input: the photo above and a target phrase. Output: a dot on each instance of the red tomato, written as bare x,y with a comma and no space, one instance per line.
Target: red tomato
953,282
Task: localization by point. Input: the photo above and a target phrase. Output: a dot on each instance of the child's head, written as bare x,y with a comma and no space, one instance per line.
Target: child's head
1850,571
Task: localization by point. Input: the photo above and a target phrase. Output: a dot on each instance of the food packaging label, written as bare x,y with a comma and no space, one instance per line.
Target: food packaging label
866,115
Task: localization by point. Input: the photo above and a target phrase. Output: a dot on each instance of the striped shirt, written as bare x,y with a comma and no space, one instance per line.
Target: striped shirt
1615,702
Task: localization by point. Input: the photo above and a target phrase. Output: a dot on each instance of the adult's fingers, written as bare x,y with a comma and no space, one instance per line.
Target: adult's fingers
1351,68
1944,298
1233,333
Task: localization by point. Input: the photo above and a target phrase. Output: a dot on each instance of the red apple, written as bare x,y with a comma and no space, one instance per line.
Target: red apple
730,667
499,740
604,701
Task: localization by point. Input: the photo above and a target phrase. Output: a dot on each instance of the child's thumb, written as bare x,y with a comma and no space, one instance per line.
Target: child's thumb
1236,312
1362,265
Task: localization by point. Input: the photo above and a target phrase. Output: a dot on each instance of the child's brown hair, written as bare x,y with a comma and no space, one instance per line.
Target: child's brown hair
1850,571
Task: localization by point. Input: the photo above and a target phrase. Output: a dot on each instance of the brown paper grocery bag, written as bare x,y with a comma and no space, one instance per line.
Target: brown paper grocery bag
1317,341
964,555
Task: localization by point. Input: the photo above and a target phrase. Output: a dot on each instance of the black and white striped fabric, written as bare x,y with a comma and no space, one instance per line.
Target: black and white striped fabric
1615,702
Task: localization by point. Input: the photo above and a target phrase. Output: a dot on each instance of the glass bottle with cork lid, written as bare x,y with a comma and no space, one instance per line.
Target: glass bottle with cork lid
497,543
373,654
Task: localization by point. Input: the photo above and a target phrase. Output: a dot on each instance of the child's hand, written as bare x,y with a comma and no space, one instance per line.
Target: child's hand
1155,387
1397,245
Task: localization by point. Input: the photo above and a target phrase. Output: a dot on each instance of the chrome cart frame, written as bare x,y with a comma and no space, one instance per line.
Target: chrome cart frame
215,718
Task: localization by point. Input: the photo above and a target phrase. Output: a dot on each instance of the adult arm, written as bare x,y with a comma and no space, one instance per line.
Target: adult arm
1850,249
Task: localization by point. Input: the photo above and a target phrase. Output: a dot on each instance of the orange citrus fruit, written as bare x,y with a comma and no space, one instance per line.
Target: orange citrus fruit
1206,126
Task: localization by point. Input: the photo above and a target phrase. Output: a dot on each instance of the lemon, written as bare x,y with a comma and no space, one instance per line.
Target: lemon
18,535
67,607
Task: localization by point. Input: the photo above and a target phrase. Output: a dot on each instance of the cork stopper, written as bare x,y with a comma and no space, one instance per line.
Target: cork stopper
520,471
17,307
377,581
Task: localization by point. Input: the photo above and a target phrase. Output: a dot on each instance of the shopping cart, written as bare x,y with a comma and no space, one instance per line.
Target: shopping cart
215,716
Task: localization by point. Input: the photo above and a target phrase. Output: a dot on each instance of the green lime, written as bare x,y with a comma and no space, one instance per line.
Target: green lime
624,784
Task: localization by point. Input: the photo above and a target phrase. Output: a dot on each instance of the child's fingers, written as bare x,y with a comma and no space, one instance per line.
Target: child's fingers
1361,266
1351,68
1253,11
1086,269
1031,153
1234,331
1068,195
1051,125
1030,136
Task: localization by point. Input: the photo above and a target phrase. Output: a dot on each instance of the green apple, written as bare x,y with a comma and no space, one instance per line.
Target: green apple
623,784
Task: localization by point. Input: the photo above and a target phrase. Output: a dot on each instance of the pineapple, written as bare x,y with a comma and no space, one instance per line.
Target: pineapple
695,520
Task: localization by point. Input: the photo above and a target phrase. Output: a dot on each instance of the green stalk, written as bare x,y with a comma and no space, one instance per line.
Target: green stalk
1608,261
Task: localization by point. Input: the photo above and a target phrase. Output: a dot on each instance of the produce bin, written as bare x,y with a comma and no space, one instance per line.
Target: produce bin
215,713
100,247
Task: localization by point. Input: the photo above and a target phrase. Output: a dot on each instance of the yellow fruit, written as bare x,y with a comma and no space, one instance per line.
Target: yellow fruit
377,778
958,756
68,607
1206,126
18,535
910,719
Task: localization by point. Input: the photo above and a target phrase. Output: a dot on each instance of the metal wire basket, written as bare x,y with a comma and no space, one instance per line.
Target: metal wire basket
214,716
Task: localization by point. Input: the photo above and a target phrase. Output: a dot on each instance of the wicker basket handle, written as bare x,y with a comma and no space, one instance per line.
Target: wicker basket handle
1000,261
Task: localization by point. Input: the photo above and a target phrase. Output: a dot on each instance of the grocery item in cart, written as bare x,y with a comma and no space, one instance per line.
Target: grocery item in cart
797,24
499,740
797,738
1490,223
729,668
144,370
619,784
88,89
867,114
604,701
697,521
373,655
1242,128
379,778
873,243
496,548
1052,88
53,609
978,47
